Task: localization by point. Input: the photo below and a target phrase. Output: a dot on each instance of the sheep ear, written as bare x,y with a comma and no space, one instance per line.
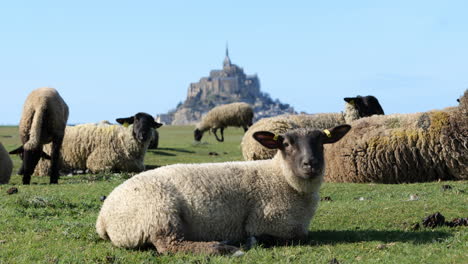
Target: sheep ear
18,150
157,125
334,134
128,120
268,139
349,99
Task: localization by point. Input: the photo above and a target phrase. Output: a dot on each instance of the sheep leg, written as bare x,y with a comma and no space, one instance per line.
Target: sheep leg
216,135
54,160
245,128
172,244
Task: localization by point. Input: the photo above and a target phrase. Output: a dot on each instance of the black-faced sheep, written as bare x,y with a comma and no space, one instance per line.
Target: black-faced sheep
102,148
355,108
220,117
43,120
403,148
190,207
6,165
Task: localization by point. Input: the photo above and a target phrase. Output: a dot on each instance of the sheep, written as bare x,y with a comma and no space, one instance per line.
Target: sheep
43,120
189,207
355,108
6,165
403,148
106,147
222,116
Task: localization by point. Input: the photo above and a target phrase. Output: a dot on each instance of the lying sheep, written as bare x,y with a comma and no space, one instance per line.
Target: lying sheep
190,207
106,147
403,148
43,120
6,165
355,108
235,114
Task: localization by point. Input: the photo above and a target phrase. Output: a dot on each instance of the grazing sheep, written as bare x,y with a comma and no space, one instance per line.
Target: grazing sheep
106,147
189,207
235,114
43,120
355,108
403,148
6,165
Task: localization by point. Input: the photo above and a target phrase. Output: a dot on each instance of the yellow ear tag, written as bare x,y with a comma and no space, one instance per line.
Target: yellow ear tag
327,132
275,137
126,124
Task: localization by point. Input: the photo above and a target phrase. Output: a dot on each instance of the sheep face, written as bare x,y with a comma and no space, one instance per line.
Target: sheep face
197,134
302,149
365,105
143,124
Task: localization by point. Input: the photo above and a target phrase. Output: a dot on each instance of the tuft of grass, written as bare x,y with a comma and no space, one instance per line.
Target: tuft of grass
361,223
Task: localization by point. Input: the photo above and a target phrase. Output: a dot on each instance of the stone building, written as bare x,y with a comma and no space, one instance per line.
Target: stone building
228,85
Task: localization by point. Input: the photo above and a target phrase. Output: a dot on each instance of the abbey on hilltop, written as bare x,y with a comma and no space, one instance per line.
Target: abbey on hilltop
224,86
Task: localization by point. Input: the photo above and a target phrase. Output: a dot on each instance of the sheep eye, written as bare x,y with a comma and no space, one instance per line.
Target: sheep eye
286,144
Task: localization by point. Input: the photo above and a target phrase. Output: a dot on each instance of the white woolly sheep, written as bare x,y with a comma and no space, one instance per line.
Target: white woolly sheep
190,207
106,147
43,120
222,116
355,107
6,165
403,148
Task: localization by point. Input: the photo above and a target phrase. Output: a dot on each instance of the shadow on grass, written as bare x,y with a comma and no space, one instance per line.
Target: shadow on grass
175,150
151,167
332,237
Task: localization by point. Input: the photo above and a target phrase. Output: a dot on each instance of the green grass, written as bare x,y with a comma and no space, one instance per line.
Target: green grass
55,224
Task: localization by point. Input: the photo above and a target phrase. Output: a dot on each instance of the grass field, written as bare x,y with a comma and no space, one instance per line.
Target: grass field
364,223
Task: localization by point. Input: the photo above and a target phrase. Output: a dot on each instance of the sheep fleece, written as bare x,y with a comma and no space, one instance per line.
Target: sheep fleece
99,148
214,202
235,114
6,165
401,148
42,104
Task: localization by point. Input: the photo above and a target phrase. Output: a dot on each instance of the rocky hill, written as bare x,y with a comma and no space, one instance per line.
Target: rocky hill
224,86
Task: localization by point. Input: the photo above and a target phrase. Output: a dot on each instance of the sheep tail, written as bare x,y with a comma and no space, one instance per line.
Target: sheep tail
36,129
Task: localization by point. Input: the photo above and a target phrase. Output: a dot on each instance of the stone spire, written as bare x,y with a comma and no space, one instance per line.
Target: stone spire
227,61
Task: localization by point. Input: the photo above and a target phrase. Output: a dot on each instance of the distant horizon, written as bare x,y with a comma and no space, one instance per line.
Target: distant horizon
111,59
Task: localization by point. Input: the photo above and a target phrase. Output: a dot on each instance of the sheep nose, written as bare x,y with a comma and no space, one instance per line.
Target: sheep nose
310,163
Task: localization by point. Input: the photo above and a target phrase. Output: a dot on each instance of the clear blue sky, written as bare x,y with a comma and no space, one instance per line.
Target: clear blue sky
111,59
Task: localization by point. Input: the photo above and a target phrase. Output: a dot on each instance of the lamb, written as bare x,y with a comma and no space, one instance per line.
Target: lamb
355,108
106,147
43,120
235,114
403,148
6,165
190,207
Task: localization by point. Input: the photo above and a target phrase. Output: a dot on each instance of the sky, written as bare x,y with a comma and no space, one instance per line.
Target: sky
111,59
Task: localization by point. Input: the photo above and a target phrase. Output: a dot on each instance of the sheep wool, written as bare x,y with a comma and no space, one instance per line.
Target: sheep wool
201,192
6,165
235,114
99,148
42,104
403,148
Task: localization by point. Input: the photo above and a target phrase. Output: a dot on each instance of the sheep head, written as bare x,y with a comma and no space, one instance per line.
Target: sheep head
143,124
365,105
302,149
